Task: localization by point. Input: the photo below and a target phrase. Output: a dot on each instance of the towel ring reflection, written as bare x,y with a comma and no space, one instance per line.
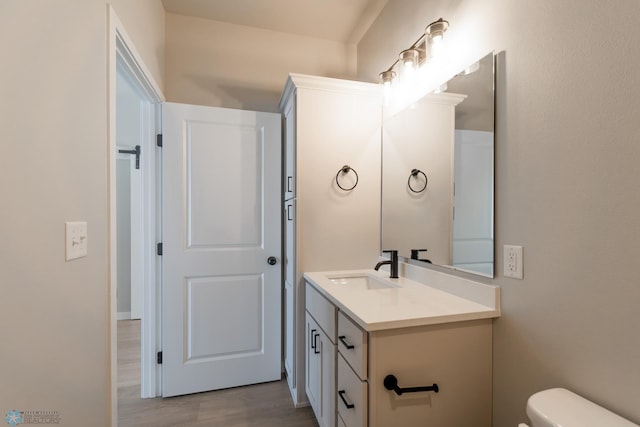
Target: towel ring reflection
414,174
345,170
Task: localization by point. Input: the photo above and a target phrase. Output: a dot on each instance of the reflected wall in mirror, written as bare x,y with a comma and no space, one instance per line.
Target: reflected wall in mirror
438,172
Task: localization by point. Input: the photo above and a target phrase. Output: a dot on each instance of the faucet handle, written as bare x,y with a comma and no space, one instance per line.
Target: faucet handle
415,253
393,262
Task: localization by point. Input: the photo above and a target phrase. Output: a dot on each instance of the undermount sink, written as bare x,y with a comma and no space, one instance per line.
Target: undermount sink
363,281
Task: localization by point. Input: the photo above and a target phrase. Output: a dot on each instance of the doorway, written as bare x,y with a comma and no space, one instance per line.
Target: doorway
140,104
136,210
131,111
138,116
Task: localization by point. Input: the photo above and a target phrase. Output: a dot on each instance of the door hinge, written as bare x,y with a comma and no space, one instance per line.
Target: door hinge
159,358
159,249
159,140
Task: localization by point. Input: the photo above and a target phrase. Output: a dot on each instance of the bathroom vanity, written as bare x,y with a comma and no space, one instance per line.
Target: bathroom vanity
360,348
423,332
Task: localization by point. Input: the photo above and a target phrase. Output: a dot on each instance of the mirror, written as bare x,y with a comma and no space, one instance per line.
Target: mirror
438,175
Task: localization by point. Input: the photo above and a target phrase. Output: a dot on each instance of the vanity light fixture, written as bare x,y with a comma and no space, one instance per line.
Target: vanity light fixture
386,77
410,58
427,45
436,30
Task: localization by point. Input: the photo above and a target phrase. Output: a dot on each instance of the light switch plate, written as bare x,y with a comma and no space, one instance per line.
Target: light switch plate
76,240
513,261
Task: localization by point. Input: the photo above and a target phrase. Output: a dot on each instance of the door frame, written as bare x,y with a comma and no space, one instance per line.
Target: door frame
120,49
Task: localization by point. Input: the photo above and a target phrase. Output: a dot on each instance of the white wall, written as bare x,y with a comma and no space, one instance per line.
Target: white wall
567,177
145,23
419,220
226,65
54,314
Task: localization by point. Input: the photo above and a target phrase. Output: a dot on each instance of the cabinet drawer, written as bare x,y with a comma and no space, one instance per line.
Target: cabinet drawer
352,344
352,396
322,311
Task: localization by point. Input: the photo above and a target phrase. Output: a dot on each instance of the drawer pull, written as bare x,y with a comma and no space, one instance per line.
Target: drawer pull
345,343
391,383
341,393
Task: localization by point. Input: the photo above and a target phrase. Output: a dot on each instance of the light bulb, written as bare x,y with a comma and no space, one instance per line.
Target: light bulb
386,77
437,46
386,88
409,59
435,31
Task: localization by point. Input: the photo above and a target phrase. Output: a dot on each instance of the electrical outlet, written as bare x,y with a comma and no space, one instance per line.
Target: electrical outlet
76,240
513,261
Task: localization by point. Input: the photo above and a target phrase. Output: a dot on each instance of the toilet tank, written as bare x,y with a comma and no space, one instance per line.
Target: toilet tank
559,407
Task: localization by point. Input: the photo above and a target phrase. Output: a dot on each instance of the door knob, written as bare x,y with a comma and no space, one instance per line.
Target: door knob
272,260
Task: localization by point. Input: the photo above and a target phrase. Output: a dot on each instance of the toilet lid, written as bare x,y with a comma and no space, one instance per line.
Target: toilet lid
559,407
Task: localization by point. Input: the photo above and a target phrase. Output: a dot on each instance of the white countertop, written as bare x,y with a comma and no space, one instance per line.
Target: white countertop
408,303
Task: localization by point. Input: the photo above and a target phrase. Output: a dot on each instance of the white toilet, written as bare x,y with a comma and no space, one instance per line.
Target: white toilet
558,407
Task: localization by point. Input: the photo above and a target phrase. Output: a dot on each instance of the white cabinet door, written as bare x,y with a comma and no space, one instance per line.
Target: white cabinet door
290,148
221,298
289,293
313,371
328,375
289,360
290,241
321,374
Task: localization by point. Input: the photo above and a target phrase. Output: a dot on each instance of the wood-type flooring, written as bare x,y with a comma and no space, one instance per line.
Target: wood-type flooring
261,405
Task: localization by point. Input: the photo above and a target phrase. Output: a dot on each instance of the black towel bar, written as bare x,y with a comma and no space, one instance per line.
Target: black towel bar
391,383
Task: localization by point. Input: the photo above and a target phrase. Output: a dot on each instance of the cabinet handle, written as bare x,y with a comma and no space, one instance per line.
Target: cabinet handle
312,339
289,217
289,181
315,346
391,384
341,393
345,343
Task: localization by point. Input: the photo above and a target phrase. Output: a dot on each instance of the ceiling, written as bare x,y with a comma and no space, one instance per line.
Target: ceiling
344,21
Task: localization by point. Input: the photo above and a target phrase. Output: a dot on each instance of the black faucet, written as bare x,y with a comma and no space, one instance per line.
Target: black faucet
415,255
393,264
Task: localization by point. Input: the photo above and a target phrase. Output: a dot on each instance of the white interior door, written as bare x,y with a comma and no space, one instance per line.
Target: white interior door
131,110
221,299
473,200
130,236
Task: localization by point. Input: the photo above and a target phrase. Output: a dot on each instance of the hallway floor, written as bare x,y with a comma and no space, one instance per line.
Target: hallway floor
264,405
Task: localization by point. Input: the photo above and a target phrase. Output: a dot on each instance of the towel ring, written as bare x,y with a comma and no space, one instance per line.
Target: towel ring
414,174
345,170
